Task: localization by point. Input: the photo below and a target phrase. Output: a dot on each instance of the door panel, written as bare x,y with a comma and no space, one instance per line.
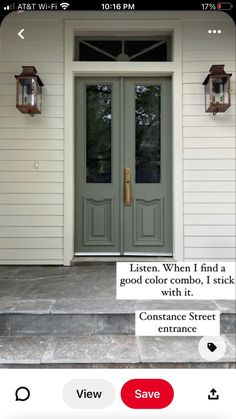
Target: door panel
123,166
97,165
147,151
148,222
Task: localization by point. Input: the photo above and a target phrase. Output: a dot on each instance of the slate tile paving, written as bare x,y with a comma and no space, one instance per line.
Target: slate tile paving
90,291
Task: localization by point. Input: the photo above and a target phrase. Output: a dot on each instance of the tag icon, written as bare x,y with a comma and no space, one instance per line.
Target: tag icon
211,346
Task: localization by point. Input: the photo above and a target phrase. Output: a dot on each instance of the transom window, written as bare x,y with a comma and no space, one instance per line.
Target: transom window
126,49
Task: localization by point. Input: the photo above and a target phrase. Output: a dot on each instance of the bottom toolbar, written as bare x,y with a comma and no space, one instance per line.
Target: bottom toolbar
117,393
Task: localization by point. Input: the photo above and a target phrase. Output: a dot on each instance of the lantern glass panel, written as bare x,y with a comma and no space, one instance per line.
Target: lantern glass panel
27,89
39,99
220,92
207,96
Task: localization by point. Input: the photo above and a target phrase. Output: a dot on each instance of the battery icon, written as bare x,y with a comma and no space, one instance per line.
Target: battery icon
224,6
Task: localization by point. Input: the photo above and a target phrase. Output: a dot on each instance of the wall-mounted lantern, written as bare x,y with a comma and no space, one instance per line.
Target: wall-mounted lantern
29,91
217,90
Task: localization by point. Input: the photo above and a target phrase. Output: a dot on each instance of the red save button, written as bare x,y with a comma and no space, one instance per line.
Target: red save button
147,394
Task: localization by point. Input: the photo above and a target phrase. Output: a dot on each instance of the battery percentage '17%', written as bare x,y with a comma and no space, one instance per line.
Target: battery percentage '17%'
209,6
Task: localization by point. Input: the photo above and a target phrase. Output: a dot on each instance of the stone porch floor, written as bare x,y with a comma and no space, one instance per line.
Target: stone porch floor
68,316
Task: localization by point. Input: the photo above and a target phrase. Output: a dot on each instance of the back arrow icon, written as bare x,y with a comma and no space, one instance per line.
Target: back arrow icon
20,34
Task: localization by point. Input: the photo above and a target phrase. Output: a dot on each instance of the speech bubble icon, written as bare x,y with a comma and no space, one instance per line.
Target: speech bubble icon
22,394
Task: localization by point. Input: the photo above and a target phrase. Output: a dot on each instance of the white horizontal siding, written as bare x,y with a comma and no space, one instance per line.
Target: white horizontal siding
34,177
31,200
190,55
36,261
211,253
28,187
204,241
31,220
19,254
209,186
209,121
24,123
207,164
209,219
34,209
31,134
216,197
53,56
31,242
199,110
213,153
48,112
31,144
34,232
209,145
206,44
209,208
210,131
209,231
193,66
209,142
220,175
31,155
29,166
42,67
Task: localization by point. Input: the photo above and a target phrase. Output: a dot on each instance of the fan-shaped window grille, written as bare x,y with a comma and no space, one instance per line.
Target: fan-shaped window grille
127,49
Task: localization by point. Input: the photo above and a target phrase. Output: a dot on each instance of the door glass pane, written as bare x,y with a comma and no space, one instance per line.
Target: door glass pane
147,134
98,133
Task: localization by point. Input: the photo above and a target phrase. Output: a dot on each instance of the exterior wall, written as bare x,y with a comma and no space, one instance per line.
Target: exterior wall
31,220
209,146
31,200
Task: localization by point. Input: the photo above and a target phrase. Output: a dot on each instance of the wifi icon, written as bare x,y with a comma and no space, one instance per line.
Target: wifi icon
64,6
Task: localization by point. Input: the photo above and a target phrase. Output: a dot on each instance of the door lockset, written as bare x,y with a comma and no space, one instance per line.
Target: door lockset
127,186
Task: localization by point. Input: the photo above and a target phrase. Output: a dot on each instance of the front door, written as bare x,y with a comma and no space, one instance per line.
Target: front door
123,161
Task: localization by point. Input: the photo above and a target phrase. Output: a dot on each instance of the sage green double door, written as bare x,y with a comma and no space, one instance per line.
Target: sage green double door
123,161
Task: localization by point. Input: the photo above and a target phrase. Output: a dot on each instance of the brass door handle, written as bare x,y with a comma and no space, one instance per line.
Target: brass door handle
127,186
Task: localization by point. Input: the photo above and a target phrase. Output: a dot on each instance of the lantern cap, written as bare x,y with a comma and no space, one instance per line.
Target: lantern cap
218,71
29,71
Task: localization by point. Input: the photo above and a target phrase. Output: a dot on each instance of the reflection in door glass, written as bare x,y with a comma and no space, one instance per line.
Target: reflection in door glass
98,133
147,118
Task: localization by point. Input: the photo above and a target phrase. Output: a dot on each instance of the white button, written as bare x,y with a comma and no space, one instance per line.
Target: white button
212,348
88,394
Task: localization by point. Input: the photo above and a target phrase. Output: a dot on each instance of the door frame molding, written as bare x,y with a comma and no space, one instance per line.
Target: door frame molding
100,24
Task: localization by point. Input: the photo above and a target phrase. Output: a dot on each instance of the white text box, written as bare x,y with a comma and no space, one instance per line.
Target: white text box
175,280
177,323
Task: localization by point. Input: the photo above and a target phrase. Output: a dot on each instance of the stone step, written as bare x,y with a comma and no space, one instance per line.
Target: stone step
85,324
93,316
109,352
111,260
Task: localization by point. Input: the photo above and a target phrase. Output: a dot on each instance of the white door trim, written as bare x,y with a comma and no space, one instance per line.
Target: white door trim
107,26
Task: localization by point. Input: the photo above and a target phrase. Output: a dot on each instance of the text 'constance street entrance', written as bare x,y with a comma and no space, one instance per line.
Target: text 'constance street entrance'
123,162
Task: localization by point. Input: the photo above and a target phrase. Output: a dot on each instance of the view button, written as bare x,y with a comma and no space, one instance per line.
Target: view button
88,394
